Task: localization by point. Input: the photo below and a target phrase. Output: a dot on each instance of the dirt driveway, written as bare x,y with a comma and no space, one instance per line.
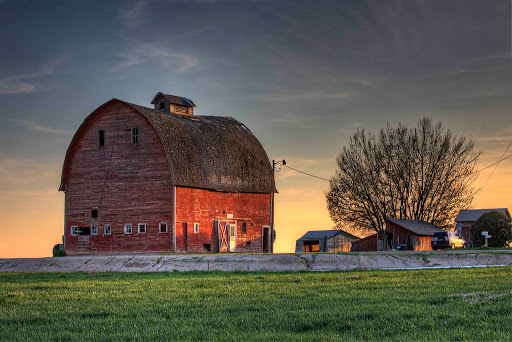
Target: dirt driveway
259,262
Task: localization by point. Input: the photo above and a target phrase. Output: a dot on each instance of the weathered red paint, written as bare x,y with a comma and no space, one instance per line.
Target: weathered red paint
130,184
204,206
402,236
396,236
368,243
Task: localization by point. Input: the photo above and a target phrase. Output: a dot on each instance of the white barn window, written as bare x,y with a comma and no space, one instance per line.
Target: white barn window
127,228
196,228
108,229
142,228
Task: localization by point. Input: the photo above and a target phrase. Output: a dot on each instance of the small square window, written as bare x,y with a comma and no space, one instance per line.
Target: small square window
163,227
94,213
108,230
162,105
142,228
196,228
94,230
127,228
101,138
135,135
74,230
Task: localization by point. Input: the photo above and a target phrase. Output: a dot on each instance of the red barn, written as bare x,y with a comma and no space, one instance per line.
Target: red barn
411,234
138,179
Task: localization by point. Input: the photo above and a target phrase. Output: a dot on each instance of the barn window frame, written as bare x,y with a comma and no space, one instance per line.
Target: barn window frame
101,138
94,230
135,135
128,228
94,213
107,230
196,228
74,230
160,225
143,228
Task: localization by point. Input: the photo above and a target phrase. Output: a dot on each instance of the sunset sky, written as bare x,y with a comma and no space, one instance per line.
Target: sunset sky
302,75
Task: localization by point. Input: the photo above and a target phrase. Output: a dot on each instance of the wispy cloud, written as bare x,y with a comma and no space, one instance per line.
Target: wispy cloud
34,126
133,12
133,15
297,119
28,177
29,83
486,139
351,127
341,95
151,52
11,86
502,135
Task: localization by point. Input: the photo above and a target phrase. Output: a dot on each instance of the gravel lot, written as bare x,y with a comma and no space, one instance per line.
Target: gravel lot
259,262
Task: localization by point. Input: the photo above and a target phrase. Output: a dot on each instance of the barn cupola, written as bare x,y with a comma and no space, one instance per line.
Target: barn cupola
172,104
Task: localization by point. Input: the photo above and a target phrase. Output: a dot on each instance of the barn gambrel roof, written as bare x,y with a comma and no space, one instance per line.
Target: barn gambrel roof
208,152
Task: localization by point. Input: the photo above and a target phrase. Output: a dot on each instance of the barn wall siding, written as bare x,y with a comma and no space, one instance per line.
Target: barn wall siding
204,206
401,236
366,244
127,183
340,243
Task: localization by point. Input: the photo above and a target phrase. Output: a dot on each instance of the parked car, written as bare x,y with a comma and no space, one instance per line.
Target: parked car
447,240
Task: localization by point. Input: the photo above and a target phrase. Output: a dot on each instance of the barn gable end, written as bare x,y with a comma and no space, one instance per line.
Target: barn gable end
116,180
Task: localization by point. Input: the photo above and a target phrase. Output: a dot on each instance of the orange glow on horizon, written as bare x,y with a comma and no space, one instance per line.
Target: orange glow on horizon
34,220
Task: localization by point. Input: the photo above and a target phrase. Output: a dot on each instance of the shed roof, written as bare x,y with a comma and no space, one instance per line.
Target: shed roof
320,234
474,214
416,226
179,100
208,152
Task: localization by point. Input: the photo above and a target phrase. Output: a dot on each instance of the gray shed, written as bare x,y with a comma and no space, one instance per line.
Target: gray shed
325,241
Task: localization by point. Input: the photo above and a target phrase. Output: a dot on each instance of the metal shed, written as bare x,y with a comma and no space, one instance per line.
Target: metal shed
334,240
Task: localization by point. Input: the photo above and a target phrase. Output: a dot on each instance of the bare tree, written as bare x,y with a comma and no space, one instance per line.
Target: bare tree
425,173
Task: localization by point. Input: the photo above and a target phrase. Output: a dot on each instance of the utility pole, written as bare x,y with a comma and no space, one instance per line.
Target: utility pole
272,231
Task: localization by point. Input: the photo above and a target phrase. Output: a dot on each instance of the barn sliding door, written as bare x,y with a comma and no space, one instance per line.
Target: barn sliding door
226,232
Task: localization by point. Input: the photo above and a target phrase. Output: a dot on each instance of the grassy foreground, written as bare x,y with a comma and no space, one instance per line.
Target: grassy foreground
456,304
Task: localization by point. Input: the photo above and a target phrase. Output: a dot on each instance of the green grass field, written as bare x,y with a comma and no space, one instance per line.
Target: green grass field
449,304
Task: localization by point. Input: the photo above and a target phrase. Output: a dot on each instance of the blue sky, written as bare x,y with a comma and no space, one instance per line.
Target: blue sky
302,75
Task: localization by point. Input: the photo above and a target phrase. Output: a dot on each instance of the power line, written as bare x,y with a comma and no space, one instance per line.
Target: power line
499,161
488,166
308,174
